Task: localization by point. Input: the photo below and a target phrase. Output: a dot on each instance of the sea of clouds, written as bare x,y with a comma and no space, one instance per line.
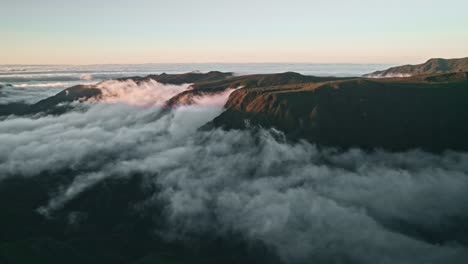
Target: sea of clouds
308,204
388,75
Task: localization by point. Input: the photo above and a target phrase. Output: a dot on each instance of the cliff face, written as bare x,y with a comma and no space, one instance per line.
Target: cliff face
432,66
393,114
270,81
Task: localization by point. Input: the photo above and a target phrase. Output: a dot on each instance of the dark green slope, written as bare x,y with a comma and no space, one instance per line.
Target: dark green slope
425,112
432,66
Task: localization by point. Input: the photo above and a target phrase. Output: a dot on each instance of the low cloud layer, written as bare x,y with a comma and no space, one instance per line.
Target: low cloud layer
32,92
214,100
145,94
307,204
389,75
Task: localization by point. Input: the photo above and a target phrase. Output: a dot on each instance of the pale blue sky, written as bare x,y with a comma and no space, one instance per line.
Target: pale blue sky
145,31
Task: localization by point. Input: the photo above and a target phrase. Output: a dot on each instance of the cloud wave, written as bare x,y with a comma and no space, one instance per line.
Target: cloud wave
145,94
307,204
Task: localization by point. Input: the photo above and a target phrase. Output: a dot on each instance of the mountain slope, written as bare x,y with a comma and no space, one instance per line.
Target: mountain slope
202,84
394,114
432,66
425,111
246,81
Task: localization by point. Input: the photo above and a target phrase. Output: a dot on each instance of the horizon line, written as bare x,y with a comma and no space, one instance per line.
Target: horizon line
229,62
154,63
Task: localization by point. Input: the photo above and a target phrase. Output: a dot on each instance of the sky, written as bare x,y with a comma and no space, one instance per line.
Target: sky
206,31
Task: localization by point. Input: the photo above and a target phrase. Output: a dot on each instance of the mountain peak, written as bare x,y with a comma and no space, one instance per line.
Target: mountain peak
431,66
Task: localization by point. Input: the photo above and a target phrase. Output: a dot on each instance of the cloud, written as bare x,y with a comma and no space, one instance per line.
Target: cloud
86,76
307,204
32,92
218,99
389,75
145,94
49,85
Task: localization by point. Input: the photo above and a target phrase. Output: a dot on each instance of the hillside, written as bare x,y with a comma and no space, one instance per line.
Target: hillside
401,113
201,84
432,66
425,111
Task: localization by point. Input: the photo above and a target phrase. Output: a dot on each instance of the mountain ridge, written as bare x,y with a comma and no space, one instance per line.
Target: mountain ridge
395,114
424,111
431,66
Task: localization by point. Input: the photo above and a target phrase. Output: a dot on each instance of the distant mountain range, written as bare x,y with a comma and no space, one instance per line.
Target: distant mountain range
432,66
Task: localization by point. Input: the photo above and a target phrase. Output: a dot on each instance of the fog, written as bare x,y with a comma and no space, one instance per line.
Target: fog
389,75
149,93
32,92
308,204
